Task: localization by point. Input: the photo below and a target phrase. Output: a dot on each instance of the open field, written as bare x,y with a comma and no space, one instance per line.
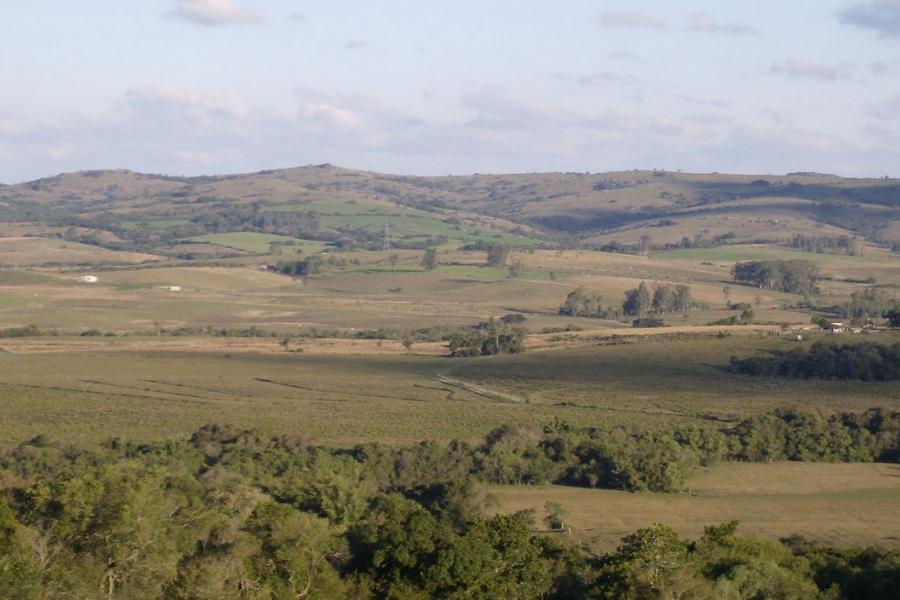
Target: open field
352,391
37,252
839,504
365,290
260,243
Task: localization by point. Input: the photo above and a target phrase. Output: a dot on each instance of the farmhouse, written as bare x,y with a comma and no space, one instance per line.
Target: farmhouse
836,328
170,288
88,279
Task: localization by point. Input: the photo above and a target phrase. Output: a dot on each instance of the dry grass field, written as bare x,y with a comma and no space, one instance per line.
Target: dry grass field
351,391
369,292
838,504
37,252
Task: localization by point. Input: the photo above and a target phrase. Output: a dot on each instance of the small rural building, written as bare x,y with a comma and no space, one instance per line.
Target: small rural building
88,279
170,288
836,328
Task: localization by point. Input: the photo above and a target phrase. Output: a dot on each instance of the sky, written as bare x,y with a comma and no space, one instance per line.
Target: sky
189,87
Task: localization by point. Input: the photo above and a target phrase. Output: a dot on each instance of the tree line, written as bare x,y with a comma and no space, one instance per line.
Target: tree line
864,361
841,244
234,514
638,302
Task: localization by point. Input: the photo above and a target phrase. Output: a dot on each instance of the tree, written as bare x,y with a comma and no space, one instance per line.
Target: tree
664,299
893,316
582,303
637,301
429,260
683,300
726,292
645,244
393,259
497,256
516,269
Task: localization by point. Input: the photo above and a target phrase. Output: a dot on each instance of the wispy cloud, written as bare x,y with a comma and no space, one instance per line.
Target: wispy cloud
625,55
887,110
214,12
708,102
630,20
793,68
702,23
606,78
880,16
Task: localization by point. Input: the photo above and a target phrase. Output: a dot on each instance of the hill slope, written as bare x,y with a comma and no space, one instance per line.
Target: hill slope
351,208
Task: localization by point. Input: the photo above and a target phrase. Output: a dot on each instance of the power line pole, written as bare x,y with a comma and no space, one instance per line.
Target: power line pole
387,233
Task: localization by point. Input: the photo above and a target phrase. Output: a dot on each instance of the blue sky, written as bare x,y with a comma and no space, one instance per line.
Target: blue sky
216,86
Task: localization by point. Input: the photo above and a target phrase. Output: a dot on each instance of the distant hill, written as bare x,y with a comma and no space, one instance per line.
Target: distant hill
349,208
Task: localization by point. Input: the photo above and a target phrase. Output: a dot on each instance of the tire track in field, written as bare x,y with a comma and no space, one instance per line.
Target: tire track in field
55,388
143,389
338,392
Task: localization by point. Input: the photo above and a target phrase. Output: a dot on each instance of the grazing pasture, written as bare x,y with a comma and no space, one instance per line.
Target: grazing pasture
838,504
352,391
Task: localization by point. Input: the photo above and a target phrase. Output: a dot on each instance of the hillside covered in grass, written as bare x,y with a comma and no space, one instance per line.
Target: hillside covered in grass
352,209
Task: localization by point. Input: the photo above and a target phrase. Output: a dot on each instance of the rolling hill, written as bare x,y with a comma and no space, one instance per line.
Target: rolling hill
159,214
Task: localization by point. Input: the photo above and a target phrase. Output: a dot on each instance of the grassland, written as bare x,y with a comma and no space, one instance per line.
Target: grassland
260,243
350,391
735,253
838,504
41,252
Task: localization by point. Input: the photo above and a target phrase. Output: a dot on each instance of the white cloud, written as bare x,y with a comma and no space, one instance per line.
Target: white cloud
182,131
630,20
214,12
175,105
702,23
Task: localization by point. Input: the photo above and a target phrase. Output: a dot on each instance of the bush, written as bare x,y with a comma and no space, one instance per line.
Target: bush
649,322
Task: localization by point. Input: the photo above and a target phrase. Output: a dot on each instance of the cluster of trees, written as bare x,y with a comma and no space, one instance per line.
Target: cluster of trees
233,514
582,303
841,244
429,260
497,255
664,299
235,218
868,303
311,265
700,241
866,361
792,276
505,336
